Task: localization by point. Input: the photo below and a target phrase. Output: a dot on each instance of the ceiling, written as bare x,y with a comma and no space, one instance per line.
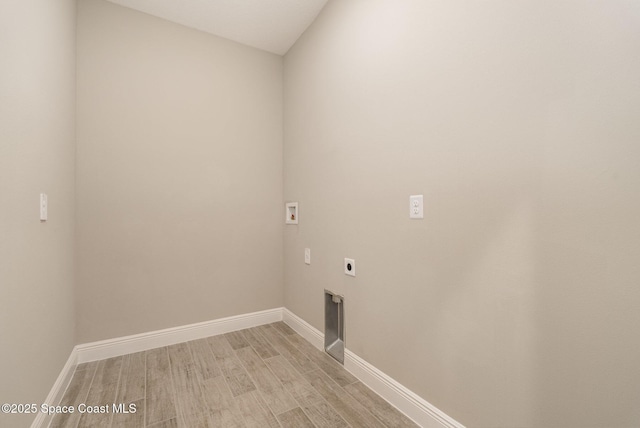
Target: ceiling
270,25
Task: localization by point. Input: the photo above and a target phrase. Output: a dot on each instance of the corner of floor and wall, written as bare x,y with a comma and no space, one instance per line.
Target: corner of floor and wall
167,155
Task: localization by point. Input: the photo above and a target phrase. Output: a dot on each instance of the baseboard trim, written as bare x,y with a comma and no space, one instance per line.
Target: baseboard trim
155,339
412,405
303,328
415,407
58,390
408,402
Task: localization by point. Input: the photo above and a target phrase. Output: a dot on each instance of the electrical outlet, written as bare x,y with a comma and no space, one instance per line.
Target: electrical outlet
416,206
350,267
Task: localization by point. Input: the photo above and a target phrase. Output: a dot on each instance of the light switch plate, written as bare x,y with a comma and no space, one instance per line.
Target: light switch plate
44,207
307,256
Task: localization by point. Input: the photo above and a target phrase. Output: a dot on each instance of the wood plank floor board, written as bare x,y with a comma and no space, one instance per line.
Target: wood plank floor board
130,420
220,346
295,418
266,376
171,423
297,358
237,340
276,397
255,411
259,343
250,359
330,366
282,369
347,406
204,359
311,402
75,394
133,379
236,376
157,363
107,373
223,408
234,373
283,328
189,399
79,386
195,421
179,355
160,400
321,413
217,395
378,407
84,366
131,390
278,400
102,393
224,418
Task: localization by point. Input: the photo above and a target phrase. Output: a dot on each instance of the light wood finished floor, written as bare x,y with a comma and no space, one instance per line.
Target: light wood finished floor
267,376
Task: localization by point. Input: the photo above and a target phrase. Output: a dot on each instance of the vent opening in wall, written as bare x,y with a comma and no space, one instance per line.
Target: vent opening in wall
334,325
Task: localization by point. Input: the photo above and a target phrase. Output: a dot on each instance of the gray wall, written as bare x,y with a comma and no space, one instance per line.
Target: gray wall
37,127
515,301
179,177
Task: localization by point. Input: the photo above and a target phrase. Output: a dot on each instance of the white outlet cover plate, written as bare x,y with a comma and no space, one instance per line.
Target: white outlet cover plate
307,256
416,206
347,263
44,207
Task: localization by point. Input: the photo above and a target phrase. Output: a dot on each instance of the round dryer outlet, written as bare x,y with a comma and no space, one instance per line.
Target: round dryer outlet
350,267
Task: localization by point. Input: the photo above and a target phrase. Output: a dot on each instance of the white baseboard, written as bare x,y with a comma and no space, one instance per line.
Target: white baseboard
155,339
412,405
406,401
141,342
303,328
58,390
